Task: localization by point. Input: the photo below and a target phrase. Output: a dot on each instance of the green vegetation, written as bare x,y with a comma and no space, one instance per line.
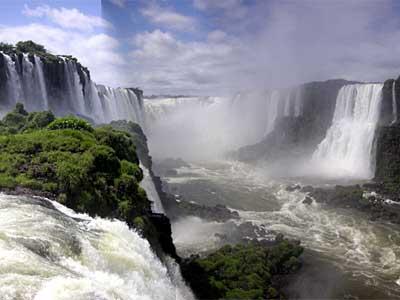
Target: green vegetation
90,170
33,48
6,47
70,123
30,47
138,139
242,271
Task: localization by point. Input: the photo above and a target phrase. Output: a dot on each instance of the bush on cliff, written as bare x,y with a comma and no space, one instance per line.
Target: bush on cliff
138,138
242,271
30,47
70,123
90,170
6,48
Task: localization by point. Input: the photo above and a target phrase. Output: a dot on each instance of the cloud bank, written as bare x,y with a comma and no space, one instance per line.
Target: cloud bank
270,44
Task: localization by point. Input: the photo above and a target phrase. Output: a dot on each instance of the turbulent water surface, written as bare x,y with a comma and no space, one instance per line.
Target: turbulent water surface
346,253
49,252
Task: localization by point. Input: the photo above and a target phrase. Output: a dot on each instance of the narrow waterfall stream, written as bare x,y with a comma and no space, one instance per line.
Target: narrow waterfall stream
394,102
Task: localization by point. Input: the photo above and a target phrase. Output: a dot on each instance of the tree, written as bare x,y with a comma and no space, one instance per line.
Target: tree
6,47
31,47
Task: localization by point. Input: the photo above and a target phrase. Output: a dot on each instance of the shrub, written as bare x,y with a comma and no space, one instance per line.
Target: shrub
37,120
30,47
70,123
6,48
242,271
105,160
131,169
119,141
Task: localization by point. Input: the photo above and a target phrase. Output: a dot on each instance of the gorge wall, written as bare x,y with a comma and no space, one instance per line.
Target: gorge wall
291,123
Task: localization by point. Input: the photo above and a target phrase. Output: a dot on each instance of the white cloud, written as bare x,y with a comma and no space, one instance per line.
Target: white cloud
164,64
66,18
120,3
98,52
275,44
216,35
168,18
233,9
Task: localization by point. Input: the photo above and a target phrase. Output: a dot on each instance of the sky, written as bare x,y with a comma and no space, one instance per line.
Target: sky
214,47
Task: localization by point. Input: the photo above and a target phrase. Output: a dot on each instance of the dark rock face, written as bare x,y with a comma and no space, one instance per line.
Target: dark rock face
387,117
374,205
164,234
388,160
298,136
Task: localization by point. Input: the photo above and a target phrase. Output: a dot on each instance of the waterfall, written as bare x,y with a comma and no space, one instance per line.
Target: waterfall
65,87
288,103
148,185
121,104
42,82
298,103
278,104
272,110
348,145
14,87
394,102
49,252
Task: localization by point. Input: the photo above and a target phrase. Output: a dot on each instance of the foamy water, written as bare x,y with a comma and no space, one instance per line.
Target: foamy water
49,252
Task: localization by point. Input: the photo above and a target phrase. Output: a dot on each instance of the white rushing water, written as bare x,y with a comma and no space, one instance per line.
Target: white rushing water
49,252
148,185
68,91
347,148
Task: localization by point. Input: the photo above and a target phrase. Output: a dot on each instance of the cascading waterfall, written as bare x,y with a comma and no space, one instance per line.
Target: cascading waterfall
41,79
14,87
148,185
273,109
49,252
65,88
348,145
394,102
298,103
121,104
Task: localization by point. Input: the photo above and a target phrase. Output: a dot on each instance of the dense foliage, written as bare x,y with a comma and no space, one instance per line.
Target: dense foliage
30,47
70,123
242,271
90,170
138,138
6,47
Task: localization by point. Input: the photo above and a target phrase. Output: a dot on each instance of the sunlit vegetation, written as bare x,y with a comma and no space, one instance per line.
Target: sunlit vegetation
92,170
243,271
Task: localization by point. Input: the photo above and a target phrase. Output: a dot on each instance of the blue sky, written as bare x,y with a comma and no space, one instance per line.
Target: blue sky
214,46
